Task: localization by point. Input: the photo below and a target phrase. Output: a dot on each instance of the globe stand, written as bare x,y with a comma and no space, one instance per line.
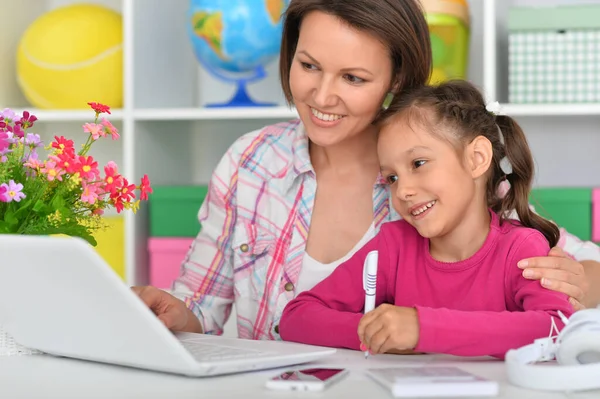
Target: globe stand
241,98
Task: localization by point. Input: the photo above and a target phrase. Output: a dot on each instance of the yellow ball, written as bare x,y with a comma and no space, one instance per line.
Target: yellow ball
72,55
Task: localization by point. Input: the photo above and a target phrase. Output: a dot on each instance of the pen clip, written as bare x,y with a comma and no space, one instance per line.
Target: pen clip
370,271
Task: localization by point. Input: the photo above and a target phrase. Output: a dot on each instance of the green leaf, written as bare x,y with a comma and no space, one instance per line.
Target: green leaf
10,218
23,208
5,228
58,202
41,207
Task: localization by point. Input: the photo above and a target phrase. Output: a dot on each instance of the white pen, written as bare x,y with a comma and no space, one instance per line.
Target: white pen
370,282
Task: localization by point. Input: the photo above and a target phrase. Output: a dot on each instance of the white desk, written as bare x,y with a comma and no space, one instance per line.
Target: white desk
43,376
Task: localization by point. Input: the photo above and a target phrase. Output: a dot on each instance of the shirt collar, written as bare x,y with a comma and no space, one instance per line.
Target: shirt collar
300,159
300,151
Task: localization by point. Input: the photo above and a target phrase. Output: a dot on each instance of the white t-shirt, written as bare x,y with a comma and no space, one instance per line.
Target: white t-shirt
314,271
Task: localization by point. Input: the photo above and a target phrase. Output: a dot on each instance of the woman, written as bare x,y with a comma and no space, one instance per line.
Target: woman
290,202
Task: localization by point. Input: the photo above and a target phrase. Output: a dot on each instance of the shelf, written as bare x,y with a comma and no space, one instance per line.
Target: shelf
550,109
83,115
151,114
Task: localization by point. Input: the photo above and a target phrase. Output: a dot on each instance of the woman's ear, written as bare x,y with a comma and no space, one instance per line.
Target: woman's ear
479,155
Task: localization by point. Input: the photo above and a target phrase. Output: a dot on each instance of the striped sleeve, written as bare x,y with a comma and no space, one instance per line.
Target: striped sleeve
578,249
205,282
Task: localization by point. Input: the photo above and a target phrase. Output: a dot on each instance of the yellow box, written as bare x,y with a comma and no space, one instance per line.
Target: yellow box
111,244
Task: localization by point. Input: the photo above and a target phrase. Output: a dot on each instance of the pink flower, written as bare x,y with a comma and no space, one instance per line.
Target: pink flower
14,191
3,193
62,145
34,163
88,168
99,108
26,121
52,171
95,130
90,193
4,141
109,128
110,165
145,188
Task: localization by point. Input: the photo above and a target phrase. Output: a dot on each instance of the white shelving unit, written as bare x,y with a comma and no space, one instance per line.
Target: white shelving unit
168,134
165,130
564,137
495,60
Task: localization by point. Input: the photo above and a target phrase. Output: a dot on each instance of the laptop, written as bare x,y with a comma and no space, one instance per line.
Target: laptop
59,296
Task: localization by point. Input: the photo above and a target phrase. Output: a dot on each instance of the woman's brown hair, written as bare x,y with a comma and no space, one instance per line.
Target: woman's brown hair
459,108
399,24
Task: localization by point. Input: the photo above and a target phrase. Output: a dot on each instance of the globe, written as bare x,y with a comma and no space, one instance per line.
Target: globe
235,39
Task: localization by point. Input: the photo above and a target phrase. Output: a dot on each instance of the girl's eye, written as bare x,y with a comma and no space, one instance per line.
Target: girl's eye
419,163
308,67
391,179
353,79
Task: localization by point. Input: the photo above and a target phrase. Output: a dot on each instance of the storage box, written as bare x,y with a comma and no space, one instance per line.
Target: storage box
166,256
174,210
570,208
449,29
596,215
554,54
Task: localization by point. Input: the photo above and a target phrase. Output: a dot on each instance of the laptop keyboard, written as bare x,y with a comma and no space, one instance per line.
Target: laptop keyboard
211,352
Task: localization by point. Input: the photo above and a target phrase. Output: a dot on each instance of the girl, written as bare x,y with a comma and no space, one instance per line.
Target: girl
448,280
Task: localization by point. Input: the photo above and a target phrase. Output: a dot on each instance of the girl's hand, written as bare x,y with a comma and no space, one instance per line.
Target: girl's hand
558,272
389,328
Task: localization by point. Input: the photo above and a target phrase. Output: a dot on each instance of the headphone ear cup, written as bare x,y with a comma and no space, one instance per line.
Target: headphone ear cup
585,314
580,346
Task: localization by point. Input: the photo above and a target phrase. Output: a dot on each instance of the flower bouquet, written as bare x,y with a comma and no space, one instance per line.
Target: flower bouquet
66,193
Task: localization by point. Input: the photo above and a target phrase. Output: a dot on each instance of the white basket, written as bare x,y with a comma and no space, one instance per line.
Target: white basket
8,346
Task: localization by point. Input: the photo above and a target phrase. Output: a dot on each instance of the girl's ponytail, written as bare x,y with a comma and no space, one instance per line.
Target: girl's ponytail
520,178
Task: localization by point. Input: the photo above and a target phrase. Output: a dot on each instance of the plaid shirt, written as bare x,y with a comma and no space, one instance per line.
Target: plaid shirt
255,222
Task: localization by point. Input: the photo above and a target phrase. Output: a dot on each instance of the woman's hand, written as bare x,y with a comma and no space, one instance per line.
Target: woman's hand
559,272
389,328
172,311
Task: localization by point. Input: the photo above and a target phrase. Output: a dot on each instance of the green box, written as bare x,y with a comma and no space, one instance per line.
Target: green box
174,210
570,208
554,18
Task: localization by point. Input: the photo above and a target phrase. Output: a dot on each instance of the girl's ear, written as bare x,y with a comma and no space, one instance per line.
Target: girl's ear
479,155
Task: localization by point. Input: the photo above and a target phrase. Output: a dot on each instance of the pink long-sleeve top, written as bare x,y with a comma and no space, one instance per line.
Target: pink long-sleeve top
476,307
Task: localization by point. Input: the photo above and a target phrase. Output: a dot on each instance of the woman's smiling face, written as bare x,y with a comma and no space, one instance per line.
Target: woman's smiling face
338,78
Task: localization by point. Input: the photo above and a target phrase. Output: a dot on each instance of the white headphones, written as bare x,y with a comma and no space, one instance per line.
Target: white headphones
576,349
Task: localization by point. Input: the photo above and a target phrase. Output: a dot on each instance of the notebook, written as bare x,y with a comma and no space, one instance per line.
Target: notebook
432,381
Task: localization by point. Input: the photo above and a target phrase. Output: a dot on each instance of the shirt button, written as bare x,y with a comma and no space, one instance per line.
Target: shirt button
289,287
276,329
244,247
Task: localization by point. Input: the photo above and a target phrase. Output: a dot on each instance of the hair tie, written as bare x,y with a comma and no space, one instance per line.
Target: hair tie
494,108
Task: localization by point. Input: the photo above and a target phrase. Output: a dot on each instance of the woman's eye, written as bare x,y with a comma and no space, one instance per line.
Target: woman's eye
308,67
419,163
353,79
391,179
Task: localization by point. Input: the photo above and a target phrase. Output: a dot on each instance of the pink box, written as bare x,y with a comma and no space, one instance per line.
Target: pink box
166,256
596,215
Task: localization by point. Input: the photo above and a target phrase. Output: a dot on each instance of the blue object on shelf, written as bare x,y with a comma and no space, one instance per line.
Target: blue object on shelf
234,41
